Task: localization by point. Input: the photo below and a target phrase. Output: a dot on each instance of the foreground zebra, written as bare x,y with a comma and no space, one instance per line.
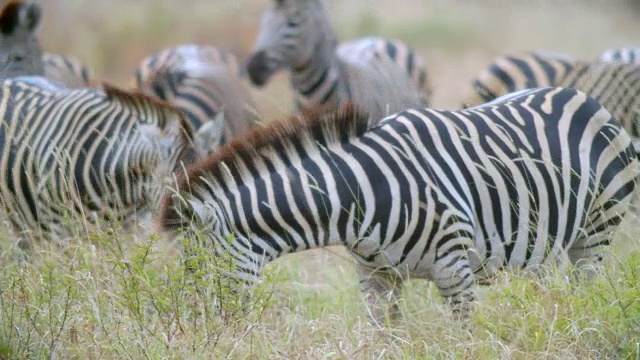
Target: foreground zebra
203,82
625,55
379,75
527,180
515,72
68,153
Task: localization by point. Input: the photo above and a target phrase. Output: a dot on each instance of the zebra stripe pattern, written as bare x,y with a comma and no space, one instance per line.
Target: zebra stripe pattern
450,196
382,76
203,82
615,85
68,70
625,55
68,153
515,72
20,52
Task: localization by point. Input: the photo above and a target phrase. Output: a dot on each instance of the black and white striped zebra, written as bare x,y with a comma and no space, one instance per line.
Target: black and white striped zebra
629,55
204,83
20,52
68,153
450,196
614,85
66,69
520,71
382,76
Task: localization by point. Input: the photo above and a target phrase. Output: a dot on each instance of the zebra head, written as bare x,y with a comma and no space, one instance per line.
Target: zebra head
20,52
291,33
161,144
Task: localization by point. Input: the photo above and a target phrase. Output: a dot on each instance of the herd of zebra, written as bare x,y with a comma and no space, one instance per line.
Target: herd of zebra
538,167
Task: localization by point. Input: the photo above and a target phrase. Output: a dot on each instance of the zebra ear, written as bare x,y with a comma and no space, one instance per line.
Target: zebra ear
210,135
16,15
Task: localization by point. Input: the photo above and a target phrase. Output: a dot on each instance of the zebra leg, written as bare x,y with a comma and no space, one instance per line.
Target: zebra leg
587,255
453,276
382,289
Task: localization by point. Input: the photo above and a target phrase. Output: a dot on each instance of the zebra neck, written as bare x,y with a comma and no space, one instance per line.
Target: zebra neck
318,80
284,203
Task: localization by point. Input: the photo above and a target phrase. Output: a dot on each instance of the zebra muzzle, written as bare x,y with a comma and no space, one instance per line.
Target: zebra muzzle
258,68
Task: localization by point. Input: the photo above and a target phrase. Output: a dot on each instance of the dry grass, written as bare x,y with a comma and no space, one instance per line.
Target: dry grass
117,298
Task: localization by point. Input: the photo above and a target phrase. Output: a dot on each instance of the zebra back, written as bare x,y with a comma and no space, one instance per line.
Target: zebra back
68,153
20,52
615,85
66,69
387,71
629,55
514,72
202,81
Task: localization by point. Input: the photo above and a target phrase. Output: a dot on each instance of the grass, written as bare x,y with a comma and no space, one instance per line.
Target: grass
115,295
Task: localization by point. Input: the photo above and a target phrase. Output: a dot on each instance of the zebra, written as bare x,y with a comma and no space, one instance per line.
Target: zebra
84,152
66,69
382,76
204,83
616,86
628,55
20,52
532,179
509,73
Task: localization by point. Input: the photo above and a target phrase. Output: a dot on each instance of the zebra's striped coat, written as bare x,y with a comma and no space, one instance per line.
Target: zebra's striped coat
66,69
203,82
68,153
447,196
630,55
514,72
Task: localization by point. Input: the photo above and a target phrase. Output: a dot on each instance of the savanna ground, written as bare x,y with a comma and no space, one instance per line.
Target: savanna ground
111,296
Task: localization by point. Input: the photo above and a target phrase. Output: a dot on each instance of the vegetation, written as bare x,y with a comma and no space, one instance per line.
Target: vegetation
119,297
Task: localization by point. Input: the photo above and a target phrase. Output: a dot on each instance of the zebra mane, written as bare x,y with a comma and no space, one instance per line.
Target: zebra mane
12,16
320,124
140,102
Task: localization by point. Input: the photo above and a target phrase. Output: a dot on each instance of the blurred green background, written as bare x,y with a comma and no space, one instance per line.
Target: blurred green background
458,38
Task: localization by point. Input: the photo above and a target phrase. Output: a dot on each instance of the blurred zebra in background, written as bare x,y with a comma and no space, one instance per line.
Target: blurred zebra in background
204,83
616,86
66,69
69,153
451,196
625,55
20,52
382,76
515,72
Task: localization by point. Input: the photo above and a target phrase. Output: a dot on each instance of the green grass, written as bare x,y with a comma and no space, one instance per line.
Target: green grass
114,296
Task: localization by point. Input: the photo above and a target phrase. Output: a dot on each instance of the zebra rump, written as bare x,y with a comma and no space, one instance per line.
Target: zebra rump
204,83
629,55
529,180
66,69
521,71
